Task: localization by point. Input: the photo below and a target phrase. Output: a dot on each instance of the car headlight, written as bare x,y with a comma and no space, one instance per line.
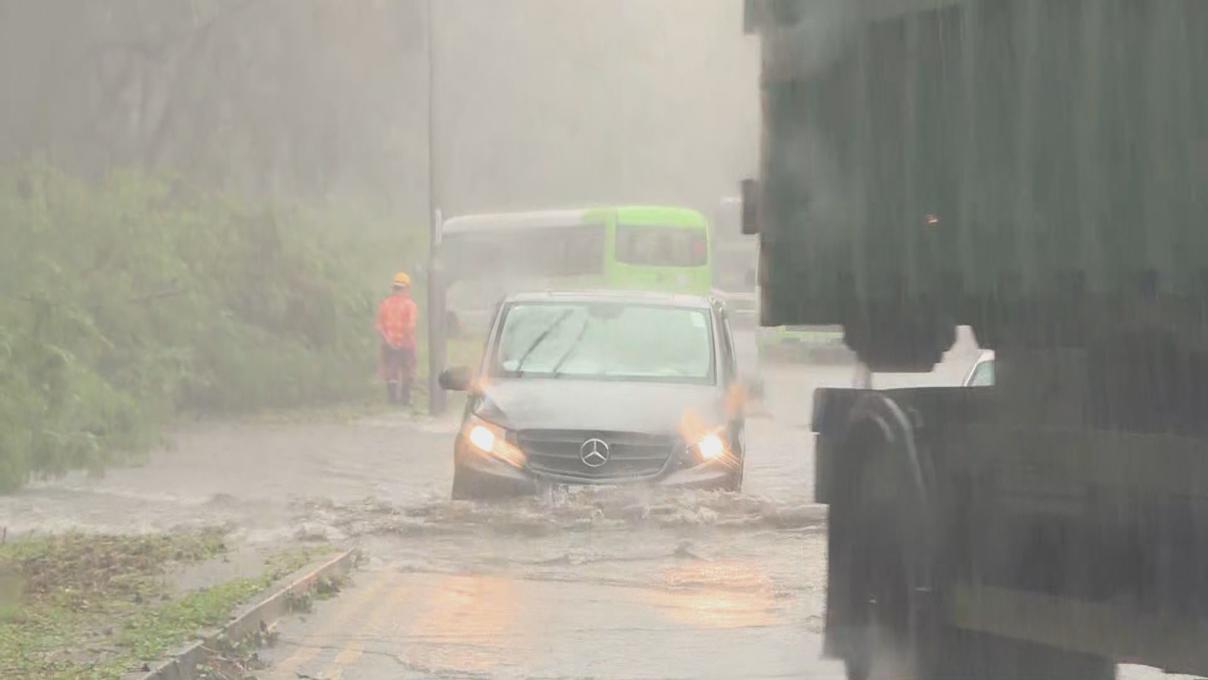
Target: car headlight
711,447
490,439
483,438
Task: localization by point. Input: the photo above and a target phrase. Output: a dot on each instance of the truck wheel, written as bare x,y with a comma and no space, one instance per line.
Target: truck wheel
885,623
900,636
889,642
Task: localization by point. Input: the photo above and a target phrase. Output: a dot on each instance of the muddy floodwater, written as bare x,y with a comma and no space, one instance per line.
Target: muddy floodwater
579,583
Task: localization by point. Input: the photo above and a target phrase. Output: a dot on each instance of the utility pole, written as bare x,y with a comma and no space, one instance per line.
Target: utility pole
437,322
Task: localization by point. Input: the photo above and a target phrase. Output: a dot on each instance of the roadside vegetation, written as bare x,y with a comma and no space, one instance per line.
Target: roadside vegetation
85,606
128,300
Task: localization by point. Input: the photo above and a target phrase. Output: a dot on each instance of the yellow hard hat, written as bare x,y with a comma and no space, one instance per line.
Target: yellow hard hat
401,279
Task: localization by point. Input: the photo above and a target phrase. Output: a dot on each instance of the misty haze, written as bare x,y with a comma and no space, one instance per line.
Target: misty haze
378,339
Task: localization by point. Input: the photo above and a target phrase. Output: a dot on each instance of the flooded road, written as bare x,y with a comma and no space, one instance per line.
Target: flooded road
590,583
599,583
594,583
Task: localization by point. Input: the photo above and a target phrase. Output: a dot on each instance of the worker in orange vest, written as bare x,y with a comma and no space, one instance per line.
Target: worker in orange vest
396,318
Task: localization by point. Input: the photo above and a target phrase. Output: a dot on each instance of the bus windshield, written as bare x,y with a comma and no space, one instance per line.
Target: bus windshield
661,246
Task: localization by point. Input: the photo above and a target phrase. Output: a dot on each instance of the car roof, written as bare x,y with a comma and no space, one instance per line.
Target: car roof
629,296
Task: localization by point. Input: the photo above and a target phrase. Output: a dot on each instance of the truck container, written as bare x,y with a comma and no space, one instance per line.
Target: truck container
1037,169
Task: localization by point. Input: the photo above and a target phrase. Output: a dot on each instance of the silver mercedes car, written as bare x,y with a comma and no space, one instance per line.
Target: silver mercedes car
601,388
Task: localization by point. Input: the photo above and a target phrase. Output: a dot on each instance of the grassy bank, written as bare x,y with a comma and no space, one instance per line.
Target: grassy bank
128,300
95,607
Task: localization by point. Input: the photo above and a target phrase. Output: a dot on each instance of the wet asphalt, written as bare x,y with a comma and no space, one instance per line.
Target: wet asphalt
596,583
599,583
602,583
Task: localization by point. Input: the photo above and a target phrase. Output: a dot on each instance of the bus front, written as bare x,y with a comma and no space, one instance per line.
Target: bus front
662,249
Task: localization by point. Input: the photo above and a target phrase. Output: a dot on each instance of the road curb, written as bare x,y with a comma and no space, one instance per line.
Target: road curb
253,618
811,516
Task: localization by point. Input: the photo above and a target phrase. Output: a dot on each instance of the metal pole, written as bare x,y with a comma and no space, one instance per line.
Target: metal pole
437,399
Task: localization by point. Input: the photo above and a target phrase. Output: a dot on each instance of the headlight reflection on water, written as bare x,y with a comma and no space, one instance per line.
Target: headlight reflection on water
723,594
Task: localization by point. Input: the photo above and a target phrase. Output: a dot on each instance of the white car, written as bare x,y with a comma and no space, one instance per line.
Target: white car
982,373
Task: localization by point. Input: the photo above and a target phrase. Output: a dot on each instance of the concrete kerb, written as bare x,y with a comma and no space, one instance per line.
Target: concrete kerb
811,517
254,618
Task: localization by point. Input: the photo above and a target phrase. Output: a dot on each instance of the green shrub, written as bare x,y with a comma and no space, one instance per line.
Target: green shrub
125,301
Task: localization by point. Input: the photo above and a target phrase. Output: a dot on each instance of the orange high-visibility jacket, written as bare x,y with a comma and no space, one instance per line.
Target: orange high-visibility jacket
396,319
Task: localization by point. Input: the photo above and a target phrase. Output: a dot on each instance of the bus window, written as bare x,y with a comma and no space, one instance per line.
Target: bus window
542,252
661,246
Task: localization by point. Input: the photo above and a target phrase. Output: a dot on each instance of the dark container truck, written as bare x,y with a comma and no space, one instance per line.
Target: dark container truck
1037,169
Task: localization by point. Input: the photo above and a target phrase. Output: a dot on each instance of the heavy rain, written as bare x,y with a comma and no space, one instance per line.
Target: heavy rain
577,339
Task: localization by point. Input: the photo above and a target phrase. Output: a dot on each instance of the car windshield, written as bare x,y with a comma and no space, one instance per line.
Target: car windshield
605,341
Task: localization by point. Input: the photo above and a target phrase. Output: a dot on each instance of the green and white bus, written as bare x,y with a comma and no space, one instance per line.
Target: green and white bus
486,256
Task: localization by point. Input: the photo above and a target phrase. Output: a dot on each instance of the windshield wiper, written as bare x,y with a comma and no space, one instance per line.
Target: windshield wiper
556,370
540,339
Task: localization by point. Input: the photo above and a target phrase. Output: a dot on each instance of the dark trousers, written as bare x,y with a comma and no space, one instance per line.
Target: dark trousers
398,369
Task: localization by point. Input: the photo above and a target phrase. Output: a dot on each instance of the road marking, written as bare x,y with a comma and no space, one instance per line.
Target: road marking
354,649
347,609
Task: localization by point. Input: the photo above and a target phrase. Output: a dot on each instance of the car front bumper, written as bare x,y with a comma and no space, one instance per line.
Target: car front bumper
707,474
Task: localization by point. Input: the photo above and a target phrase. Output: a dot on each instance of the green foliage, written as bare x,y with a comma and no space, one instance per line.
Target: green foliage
130,299
150,633
77,571
98,607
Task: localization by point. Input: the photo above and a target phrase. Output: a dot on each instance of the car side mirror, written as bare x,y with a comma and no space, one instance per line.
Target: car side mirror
456,379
